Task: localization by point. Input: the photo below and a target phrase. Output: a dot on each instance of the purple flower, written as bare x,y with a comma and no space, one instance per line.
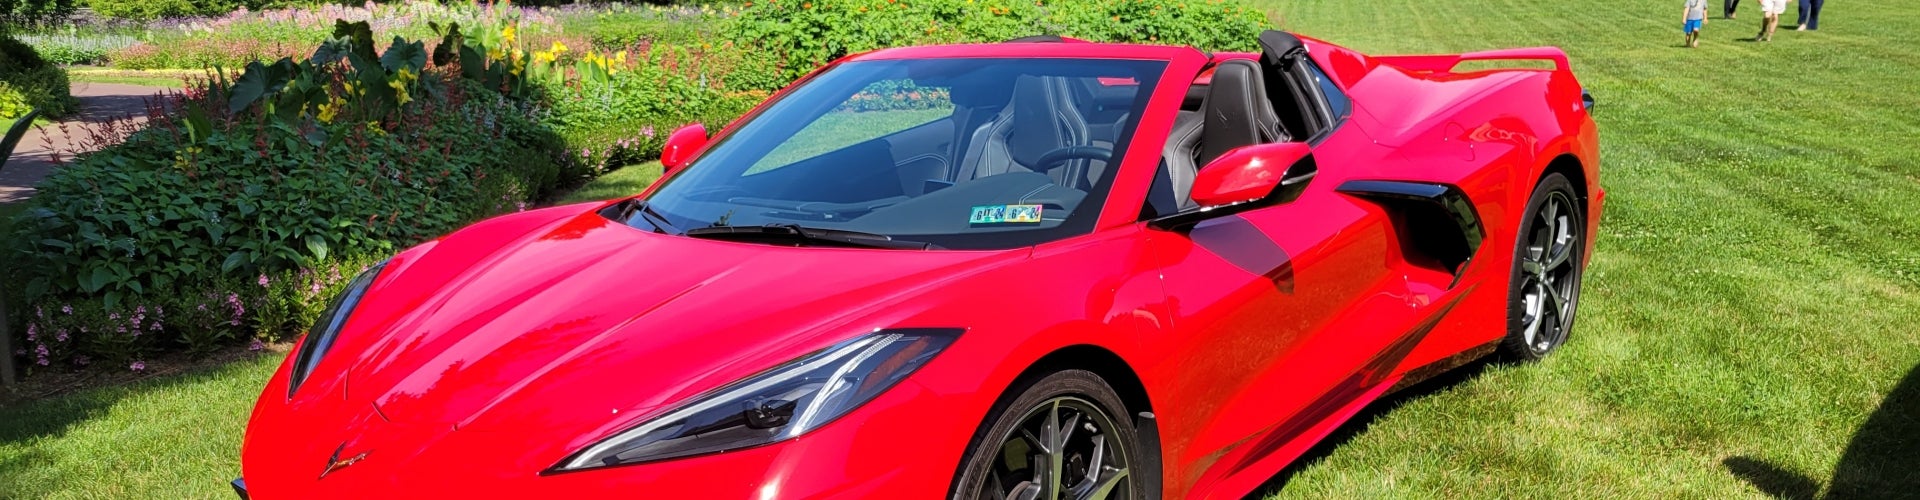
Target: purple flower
33,331
82,360
137,366
61,335
67,309
256,345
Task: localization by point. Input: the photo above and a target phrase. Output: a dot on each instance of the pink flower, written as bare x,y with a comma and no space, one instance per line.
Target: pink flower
137,366
263,280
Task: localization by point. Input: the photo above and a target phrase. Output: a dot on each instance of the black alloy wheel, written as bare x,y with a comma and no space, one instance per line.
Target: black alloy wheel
1058,440
1547,266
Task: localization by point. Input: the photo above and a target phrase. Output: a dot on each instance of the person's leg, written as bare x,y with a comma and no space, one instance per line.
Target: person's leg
1730,5
1813,18
1804,5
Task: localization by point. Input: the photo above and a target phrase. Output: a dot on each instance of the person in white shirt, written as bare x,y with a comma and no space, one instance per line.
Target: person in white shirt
1770,18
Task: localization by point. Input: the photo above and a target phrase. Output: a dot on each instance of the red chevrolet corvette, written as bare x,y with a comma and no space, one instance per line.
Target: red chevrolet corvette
1040,269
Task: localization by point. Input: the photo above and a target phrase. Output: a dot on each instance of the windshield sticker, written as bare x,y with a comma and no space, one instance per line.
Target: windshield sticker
1005,214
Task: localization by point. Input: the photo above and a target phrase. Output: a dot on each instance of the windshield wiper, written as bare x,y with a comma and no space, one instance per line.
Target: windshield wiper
659,222
802,234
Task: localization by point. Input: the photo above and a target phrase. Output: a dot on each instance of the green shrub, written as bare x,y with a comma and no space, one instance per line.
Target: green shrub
155,9
27,82
72,48
34,12
285,170
808,33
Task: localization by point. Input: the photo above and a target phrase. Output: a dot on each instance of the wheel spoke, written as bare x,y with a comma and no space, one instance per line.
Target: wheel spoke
1056,454
1555,302
1535,306
1103,489
1532,267
1026,490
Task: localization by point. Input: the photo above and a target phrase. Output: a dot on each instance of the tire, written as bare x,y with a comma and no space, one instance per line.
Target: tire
1005,455
1548,261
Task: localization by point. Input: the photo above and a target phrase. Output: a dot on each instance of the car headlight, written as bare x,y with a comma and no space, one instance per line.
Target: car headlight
324,331
774,405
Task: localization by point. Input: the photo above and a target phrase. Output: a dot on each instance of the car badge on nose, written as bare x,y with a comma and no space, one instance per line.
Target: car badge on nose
336,463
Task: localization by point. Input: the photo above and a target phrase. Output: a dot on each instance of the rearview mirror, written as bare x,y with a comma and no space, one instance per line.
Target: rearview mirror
1248,173
681,145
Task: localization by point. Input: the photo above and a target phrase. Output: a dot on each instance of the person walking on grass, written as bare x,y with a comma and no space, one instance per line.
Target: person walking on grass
1810,14
1694,18
1726,9
1769,18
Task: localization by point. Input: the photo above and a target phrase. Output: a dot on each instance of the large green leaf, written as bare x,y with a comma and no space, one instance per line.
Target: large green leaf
249,87
318,245
404,54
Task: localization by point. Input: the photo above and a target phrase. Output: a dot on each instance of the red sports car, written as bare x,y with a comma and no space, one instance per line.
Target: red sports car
1040,269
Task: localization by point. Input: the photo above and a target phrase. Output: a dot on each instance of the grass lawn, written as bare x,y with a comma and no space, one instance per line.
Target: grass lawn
1748,324
152,78
623,182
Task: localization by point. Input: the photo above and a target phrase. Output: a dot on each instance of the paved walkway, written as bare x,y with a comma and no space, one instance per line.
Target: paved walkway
98,102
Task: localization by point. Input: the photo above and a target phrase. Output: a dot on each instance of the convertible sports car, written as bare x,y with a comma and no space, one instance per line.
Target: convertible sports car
1037,269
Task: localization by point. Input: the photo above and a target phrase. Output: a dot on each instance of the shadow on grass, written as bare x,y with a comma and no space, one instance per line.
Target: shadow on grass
1365,418
31,419
1882,460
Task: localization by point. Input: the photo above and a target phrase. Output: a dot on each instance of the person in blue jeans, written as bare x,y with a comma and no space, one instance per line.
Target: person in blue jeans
1810,14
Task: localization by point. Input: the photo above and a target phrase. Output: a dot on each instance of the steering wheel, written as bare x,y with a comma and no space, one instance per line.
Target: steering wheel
1054,158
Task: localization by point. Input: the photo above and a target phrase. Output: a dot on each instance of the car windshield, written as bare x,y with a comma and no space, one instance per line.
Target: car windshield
959,153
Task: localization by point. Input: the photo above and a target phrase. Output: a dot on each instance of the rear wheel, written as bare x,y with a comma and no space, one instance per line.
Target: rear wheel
1547,265
1063,437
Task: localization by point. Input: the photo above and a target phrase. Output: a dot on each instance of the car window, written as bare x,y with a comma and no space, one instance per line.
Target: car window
1337,102
882,108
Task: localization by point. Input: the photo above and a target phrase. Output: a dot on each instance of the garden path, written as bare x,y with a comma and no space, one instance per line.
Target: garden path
99,102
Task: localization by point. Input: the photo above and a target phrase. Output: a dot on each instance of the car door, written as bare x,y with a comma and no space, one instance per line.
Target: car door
1288,315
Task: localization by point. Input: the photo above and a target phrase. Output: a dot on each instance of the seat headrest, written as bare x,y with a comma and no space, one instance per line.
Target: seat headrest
1044,119
1238,113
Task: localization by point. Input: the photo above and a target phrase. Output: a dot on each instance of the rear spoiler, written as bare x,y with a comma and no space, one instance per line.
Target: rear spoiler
1441,63
1445,63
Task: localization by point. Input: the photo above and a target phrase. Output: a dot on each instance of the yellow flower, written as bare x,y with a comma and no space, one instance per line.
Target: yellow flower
559,48
507,34
620,57
399,83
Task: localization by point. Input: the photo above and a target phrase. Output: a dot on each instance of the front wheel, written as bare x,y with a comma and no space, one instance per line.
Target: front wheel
1547,264
1058,439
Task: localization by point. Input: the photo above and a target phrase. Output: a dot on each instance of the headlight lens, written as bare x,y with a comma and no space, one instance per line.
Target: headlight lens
774,405
320,338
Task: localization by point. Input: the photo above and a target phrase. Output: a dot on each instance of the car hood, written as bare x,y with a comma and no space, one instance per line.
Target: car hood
581,324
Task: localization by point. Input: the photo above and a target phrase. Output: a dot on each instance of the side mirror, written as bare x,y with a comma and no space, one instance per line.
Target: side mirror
1249,173
681,144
